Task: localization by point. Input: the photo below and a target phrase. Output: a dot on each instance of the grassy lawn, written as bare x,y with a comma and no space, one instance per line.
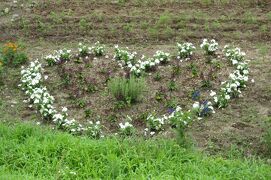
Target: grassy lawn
31,152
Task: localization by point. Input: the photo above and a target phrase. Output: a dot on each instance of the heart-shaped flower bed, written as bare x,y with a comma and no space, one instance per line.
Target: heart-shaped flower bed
120,92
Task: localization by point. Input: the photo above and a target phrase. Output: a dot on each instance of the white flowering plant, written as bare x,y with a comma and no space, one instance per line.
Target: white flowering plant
127,128
58,57
84,50
97,50
185,50
94,129
124,55
31,84
209,47
156,124
203,108
237,80
176,118
161,56
142,65
235,55
179,118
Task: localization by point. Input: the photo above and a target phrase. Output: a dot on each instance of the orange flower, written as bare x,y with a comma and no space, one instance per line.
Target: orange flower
10,46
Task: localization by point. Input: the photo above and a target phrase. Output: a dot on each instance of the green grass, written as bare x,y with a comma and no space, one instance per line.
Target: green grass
32,152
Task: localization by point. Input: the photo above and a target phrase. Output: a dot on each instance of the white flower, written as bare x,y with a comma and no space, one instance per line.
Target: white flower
64,109
212,93
196,105
227,97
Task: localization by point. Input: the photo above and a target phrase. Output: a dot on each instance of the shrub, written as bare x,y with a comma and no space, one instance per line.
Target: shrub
128,90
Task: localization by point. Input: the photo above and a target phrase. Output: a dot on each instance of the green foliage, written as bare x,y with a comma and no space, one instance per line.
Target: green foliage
157,76
206,84
81,103
31,152
83,24
10,55
194,69
1,74
127,90
172,103
159,96
175,70
91,88
88,113
172,85
267,140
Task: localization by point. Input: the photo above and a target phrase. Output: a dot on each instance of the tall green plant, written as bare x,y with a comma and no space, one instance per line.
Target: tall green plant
128,90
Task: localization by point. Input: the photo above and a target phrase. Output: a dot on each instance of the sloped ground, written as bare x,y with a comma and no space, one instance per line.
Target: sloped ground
48,25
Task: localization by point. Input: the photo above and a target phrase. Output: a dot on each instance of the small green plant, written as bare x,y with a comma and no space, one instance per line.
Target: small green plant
172,103
81,103
194,69
175,70
66,79
172,85
112,118
121,105
88,113
217,64
159,96
206,84
91,88
127,90
157,76
83,24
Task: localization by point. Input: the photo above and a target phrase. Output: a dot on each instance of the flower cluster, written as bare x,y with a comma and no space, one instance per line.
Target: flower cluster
176,118
10,47
84,50
126,128
58,57
94,130
235,55
124,56
185,50
148,64
143,65
209,47
31,83
161,56
11,55
98,49
237,80
204,108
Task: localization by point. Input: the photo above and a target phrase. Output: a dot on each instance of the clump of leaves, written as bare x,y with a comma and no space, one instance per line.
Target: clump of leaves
172,85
